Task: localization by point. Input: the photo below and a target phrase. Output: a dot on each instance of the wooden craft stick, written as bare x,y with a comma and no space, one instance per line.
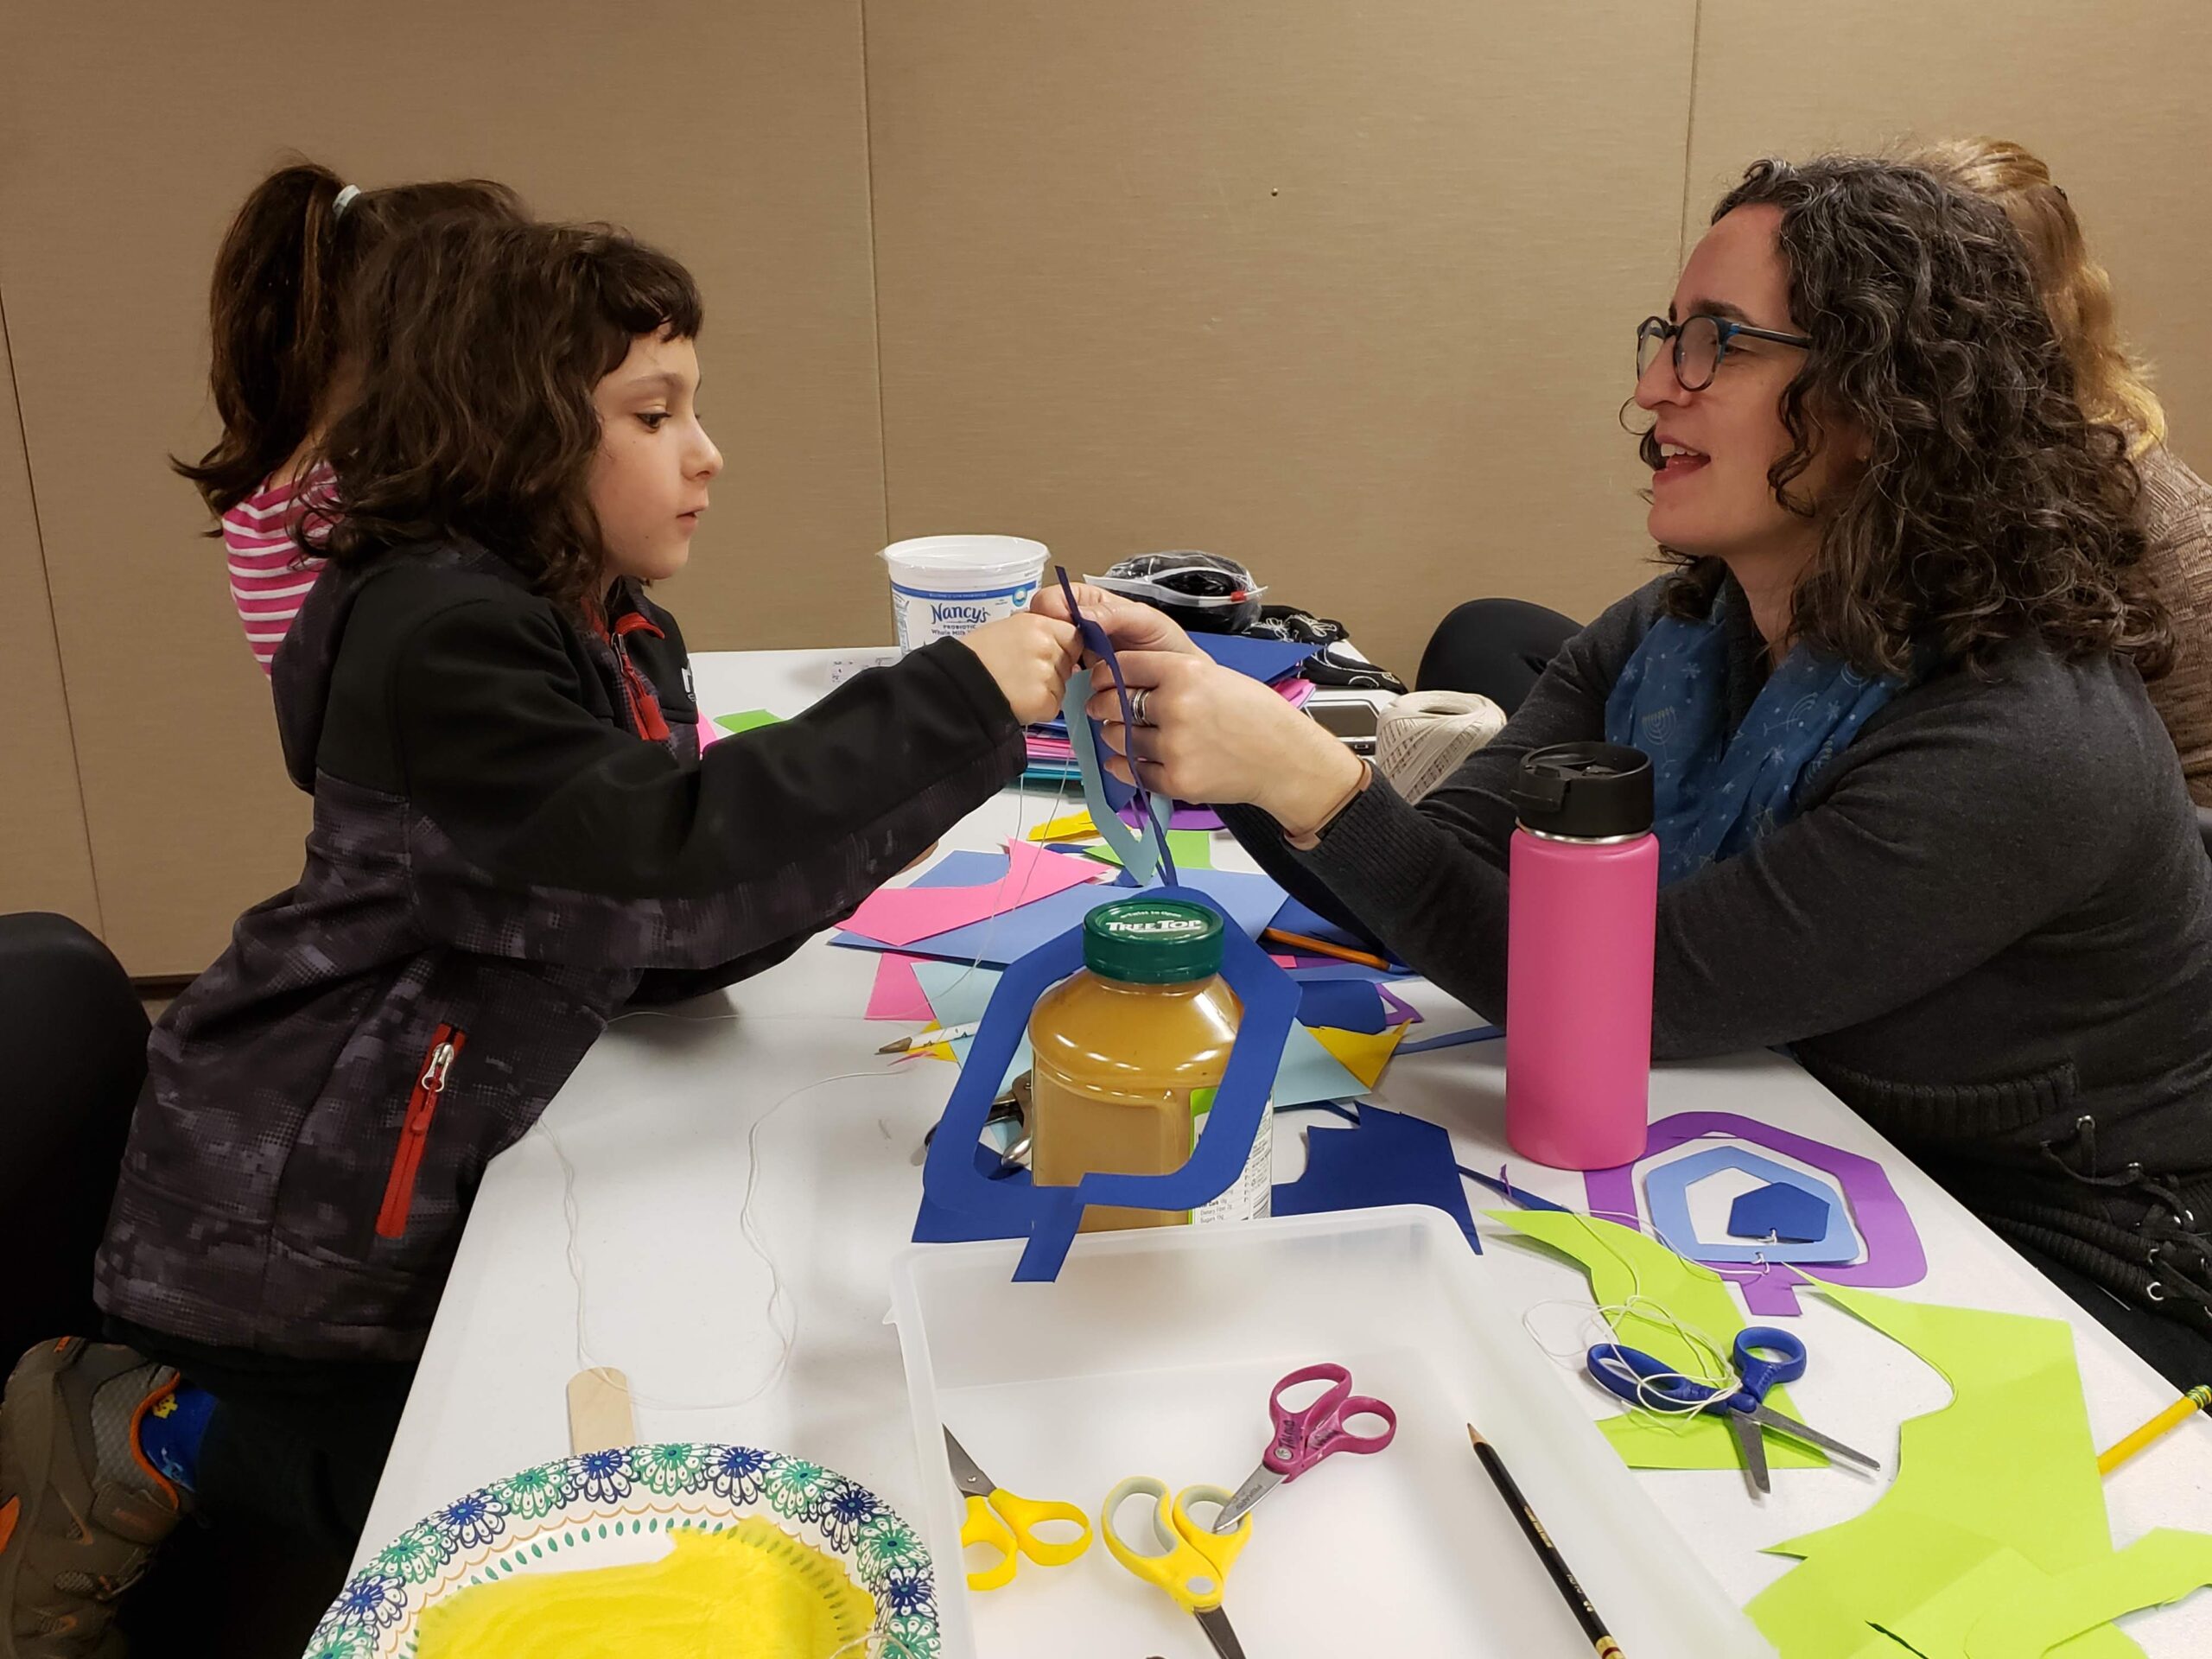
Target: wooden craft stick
600,1418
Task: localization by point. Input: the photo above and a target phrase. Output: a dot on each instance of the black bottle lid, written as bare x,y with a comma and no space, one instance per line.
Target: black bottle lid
1584,792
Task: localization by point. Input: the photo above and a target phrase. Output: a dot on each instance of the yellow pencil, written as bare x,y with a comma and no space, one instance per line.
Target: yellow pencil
1300,943
2198,1399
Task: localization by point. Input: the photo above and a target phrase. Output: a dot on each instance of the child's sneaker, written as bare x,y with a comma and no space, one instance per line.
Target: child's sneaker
81,1509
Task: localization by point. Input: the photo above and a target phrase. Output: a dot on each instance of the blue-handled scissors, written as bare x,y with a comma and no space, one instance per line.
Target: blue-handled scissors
1762,1356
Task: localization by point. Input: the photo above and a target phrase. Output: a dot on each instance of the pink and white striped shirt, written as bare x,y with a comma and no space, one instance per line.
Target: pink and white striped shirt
270,576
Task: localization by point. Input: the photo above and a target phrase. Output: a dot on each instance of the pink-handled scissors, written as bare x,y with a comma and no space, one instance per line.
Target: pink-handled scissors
1304,1436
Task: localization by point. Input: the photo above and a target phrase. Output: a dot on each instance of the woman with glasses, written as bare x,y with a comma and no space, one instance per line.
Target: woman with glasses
1918,823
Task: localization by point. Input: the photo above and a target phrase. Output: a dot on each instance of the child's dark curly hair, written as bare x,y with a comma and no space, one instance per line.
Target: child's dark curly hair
1990,508
481,344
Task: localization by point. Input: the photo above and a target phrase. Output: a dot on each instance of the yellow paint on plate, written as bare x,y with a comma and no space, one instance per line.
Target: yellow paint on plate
751,1592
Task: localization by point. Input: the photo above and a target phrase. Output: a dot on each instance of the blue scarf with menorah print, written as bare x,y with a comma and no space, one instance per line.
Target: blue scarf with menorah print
1713,793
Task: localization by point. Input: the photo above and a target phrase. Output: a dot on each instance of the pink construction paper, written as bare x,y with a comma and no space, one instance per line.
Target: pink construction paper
898,995
707,733
902,915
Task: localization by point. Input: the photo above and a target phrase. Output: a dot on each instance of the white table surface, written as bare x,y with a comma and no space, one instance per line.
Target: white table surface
656,1122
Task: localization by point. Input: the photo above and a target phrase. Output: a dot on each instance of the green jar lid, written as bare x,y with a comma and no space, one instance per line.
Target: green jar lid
1153,941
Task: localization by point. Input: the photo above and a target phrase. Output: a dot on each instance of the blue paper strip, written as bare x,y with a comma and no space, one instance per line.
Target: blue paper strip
1050,1215
1665,1191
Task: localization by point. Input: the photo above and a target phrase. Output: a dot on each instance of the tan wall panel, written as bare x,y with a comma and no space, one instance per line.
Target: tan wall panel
733,134
2115,97
1347,293
45,861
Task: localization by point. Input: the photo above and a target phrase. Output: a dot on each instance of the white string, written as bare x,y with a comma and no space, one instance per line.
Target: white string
781,1310
1600,1328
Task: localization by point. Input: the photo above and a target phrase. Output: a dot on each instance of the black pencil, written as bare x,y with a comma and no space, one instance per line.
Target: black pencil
1546,1552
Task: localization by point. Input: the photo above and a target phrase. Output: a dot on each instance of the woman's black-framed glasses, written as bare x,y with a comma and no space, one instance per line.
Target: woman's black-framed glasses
1699,344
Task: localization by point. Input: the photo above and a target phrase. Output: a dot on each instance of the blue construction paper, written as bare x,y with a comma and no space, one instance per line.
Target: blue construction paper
952,1178
1666,1195
1266,660
1342,1004
1142,855
1779,1213
1139,852
1295,917
1453,1039
1388,1159
1341,971
1248,900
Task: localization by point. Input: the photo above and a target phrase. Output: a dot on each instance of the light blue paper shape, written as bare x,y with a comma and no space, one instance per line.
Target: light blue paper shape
1666,1194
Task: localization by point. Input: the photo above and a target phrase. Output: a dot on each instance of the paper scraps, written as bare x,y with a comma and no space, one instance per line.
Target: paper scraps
1365,1054
1894,1253
898,995
749,719
1993,1542
1248,900
1192,849
903,915
1385,1158
1623,1263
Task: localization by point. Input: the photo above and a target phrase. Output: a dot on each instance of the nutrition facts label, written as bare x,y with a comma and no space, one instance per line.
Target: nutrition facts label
1252,1195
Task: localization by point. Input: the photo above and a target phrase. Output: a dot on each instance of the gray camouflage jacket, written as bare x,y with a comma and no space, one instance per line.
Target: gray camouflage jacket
514,836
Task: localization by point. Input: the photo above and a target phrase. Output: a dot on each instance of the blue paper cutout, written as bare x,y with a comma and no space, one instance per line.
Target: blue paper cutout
1342,1005
1340,970
1265,660
1780,1214
1141,855
1388,1159
1665,1193
952,1178
1453,1039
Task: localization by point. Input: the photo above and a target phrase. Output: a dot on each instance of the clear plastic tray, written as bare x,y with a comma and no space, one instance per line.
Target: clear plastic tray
1153,1353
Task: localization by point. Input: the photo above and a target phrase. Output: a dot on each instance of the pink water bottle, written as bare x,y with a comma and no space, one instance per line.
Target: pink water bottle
1582,910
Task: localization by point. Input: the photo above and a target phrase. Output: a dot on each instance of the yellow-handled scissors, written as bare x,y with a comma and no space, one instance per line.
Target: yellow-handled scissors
998,1520
1192,1562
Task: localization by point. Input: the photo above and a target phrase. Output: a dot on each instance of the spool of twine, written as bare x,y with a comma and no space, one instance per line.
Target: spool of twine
1425,736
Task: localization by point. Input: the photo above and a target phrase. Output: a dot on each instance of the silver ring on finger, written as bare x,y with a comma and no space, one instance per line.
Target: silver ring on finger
1138,699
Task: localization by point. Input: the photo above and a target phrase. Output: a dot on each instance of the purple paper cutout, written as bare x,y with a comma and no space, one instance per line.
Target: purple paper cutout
1894,1255
1184,817
1402,1012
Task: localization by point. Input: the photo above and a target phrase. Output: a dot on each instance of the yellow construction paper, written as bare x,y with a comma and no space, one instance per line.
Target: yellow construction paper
752,1591
1622,1262
2043,1616
1075,826
2006,1470
1362,1053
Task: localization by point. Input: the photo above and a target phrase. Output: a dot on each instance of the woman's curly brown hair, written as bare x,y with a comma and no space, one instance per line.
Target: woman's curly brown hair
480,346
1990,508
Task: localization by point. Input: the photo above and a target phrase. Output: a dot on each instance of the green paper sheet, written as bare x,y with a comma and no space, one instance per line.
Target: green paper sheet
1192,849
2008,1468
747,720
2052,1615
1621,1262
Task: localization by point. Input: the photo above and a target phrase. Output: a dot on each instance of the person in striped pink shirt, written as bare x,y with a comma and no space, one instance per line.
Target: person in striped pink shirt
280,369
